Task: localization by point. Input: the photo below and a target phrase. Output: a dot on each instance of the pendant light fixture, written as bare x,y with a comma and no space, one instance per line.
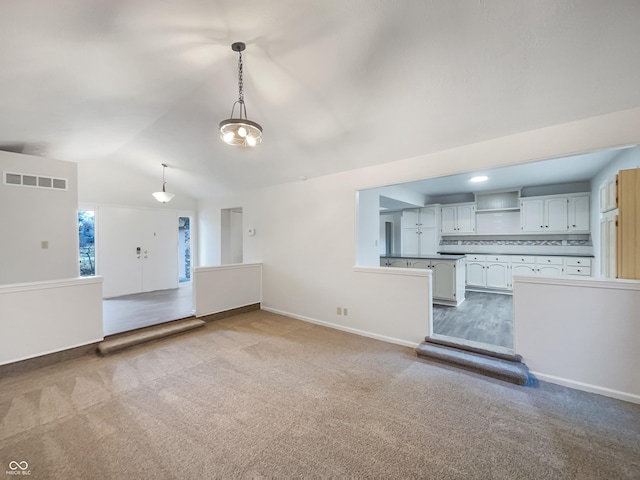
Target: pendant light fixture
163,196
240,131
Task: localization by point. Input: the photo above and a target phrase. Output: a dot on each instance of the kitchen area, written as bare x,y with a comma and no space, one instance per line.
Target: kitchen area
475,238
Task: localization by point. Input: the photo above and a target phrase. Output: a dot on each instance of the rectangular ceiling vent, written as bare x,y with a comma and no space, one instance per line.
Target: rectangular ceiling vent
30,180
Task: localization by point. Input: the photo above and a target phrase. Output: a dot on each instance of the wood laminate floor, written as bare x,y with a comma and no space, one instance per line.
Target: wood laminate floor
482,317
129,312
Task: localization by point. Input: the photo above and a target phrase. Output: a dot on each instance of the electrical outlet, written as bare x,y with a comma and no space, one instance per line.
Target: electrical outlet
345,311
339,310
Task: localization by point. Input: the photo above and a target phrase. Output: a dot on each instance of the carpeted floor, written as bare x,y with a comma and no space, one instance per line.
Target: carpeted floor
263,395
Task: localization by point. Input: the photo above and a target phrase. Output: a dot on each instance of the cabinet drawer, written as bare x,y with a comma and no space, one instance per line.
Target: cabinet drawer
497,258
577,262
522,259
477,258
549,260
570,270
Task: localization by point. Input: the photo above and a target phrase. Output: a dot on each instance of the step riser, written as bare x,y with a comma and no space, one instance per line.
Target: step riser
509,371
110,346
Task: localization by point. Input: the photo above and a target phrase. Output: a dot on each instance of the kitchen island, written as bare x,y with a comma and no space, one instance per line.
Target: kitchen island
448,274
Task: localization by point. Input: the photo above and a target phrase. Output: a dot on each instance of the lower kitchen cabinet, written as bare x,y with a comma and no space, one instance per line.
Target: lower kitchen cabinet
447,278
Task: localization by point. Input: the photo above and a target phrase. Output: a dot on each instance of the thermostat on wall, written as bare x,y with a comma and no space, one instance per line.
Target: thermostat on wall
251,232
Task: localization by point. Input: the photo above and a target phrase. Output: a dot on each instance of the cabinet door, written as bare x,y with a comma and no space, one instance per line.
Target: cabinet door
397,262
448,220
419,264
476,274
497,275
556,214
410,243
549,270
612,193
579,214
531,215
466,219
523,269
428,217
428,240
409,218
444,280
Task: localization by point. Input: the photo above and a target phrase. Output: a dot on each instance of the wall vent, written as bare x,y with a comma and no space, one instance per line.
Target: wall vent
30,180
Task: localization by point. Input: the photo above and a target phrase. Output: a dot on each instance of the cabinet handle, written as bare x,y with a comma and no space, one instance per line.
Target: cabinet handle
574,226
578,270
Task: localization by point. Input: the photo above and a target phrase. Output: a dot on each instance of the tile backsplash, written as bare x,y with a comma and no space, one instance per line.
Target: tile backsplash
579,244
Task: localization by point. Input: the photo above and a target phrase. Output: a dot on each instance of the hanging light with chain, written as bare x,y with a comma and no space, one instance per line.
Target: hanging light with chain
240,131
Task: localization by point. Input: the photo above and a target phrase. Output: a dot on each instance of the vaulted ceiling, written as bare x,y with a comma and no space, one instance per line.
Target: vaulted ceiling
336,84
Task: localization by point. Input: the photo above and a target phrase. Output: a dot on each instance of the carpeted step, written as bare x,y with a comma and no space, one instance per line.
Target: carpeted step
120,342
475,347
510,371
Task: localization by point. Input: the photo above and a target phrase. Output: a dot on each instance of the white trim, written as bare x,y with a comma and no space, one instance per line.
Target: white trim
408,272
64,282
579,281
587,387
49,352
355,331
231,266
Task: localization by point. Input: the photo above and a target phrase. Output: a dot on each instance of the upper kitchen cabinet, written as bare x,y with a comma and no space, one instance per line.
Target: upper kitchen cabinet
420,230
555,214
609,194
458,219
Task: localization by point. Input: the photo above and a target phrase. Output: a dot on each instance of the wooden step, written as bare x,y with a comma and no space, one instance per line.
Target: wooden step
118,342
507,370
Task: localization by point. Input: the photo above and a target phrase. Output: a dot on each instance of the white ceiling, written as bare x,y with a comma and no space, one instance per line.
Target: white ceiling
336,84
567,170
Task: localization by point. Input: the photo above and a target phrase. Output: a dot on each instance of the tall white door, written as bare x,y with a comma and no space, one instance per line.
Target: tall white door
118,261
159,250
137,250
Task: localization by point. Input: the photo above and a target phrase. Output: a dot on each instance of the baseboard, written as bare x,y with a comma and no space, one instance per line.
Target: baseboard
230,313
586,387
355,331
46,359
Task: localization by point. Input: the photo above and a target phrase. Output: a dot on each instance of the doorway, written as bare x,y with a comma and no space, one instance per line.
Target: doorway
231,235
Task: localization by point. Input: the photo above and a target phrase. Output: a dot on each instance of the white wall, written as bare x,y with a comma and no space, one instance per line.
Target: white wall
584,334
306,231
626,159
109,182
30,215
38,318
222,288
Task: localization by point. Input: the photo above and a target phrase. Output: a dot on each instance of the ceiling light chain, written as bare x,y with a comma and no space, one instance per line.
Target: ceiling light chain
240,131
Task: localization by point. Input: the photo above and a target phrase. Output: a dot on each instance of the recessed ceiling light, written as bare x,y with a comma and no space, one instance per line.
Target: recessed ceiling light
480,178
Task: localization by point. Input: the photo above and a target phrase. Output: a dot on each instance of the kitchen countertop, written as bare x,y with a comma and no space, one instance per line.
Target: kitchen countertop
525,254
435,256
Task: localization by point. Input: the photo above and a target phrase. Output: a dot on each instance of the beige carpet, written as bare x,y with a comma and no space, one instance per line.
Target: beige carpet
262,395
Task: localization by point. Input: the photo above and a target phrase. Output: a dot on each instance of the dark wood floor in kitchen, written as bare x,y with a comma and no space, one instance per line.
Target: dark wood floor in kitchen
482,317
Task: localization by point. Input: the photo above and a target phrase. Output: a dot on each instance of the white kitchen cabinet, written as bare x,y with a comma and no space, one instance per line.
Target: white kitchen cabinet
419,264
448,276
544,215
579,217
580,266
488,271
609,194
497,274
522,269
458,219
608,244
419,231
475,271
549,266
555,214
